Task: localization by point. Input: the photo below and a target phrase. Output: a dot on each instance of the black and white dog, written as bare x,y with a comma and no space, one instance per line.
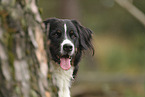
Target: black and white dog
67,40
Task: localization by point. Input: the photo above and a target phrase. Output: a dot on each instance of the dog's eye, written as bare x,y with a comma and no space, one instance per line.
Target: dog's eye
57,34
72,35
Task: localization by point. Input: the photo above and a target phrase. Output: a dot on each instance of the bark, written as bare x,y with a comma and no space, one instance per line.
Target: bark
23,59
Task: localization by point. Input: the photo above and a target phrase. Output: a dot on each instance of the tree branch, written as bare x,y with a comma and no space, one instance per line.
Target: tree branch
139,15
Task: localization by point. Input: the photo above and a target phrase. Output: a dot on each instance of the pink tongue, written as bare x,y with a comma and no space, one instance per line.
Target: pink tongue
65,63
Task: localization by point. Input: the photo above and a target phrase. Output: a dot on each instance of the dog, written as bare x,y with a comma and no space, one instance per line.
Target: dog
67,39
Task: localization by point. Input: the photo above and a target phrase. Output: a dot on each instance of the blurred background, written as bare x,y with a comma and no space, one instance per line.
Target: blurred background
118,67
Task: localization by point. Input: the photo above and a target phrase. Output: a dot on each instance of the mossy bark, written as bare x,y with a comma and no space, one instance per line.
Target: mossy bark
23,59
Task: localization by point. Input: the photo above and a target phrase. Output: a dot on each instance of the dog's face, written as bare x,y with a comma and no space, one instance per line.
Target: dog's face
67,41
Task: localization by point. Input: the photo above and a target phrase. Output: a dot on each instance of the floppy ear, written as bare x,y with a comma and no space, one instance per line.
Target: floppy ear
85,35
47,24
49,20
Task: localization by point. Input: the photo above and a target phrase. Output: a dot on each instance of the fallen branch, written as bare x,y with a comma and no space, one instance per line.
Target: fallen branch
139,15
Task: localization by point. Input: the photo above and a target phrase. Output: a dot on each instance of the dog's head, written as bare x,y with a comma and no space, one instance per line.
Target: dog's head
67,40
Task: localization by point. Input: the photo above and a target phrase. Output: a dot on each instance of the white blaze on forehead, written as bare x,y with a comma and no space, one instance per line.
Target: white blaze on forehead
67,41
65,30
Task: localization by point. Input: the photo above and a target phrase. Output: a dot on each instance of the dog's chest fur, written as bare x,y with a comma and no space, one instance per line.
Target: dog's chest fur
62,79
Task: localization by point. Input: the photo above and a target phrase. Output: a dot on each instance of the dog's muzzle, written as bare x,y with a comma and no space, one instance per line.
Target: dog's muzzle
67,47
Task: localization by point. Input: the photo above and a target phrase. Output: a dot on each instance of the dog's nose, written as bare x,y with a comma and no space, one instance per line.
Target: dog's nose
67,48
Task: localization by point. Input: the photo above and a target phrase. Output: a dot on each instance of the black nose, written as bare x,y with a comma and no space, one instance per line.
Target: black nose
67,48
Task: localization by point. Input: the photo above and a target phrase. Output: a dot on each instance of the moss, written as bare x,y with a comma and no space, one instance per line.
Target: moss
9,44
18,90
27,52
8,35
24,24
11,57
8,41
33,93
8,38
49,76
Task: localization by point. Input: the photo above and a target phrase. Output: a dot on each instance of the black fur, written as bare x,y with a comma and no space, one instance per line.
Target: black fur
81,39
85,36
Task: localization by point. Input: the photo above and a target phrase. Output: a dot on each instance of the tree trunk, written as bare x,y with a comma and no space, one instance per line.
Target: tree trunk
23,59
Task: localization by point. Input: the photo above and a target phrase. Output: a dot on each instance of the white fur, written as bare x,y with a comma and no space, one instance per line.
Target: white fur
65,30
67,41
62,79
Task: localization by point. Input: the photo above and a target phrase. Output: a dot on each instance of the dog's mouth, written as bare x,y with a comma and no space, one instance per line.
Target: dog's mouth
65,61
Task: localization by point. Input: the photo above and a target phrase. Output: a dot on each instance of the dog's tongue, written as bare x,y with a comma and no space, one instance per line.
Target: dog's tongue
65,63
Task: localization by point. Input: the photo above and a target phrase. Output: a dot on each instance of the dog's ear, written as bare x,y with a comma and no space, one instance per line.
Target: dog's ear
47,23
85,35
49,20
